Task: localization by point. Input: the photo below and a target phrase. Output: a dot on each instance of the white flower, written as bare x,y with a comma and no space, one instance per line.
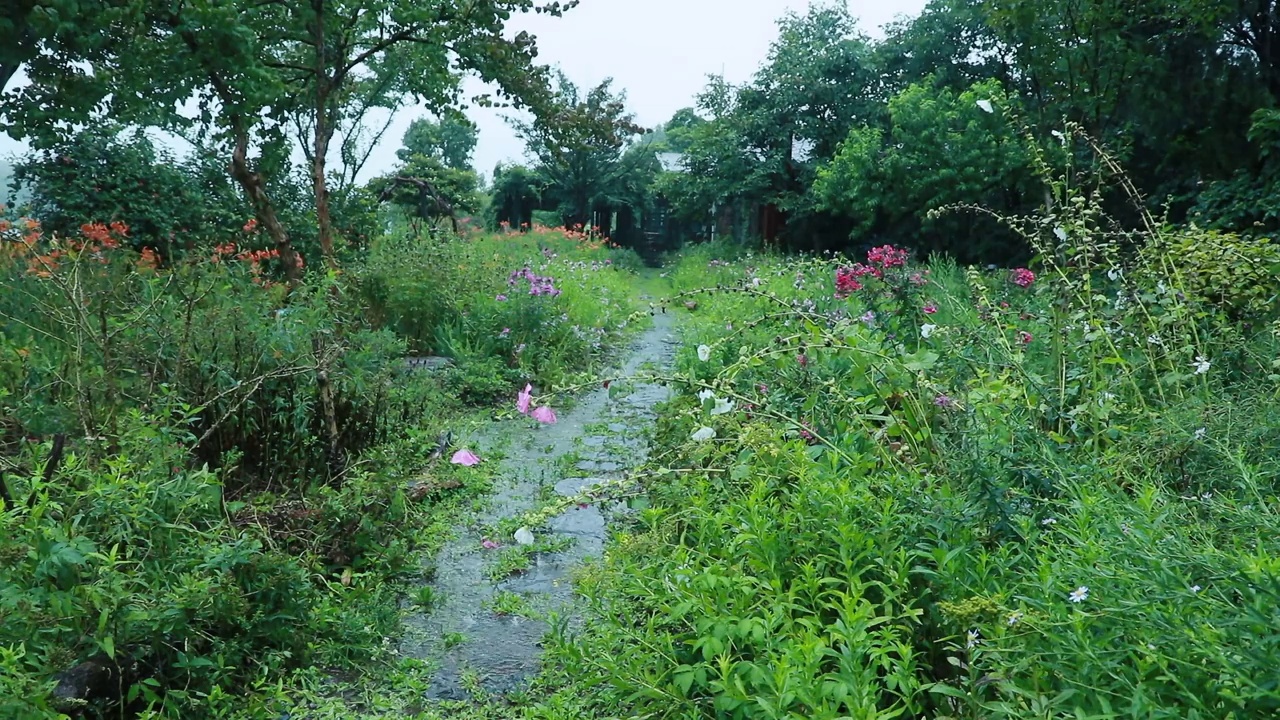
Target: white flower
1201,365
704,353
1080,594
524,536
706,394
1060,234
1048,521
1201,433
1114,274
1058,134
704,434
974,640
926,330
722,406
986,106
1014,618
1161,287
1155,340
1195,589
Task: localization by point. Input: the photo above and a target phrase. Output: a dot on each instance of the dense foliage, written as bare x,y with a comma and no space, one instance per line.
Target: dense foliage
174,533
899,490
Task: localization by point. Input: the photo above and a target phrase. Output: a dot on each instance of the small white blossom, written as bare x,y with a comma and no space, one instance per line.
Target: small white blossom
704,353
1161,287
1154,340
1049,521
1014,618
926,330
974,640
1195,589
704,434
1060,234
1202,365
722,406
1058,134
706,394
986,106
1201,433
1114,274
524,536
1080,594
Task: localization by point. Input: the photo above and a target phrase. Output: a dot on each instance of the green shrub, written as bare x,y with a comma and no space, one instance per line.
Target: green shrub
1235,275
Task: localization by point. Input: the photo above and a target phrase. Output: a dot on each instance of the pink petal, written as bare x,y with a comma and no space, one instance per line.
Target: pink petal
465,457
522,400
545,415
488,544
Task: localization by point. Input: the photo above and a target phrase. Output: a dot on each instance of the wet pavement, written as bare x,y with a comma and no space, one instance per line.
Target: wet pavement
605,436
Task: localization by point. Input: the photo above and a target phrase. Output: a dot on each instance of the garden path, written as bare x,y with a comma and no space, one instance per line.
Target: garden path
476,647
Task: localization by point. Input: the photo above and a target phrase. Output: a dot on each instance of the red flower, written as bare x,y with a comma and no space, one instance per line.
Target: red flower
1025,337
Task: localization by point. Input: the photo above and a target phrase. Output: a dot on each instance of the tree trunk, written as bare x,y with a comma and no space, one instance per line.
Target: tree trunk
323,136
255,189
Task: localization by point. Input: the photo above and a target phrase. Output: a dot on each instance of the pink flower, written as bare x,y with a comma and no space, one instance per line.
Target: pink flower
488,544
888,256
803,360
1023,277
523,399
930,309
944,401
847,282
465,457
501,298
545,415
1025,337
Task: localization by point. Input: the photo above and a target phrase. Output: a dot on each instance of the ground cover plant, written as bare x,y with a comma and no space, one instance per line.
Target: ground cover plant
177,536
893,489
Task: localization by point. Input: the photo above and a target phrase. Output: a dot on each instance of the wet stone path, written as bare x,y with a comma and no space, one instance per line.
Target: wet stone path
476,647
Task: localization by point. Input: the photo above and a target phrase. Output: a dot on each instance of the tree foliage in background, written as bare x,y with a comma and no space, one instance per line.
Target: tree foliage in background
579,149
852,142
941,148
262,71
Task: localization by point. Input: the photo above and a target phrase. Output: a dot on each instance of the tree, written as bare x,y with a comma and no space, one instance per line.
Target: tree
517,192
941,148
578,147
451,140
762,141
435,179
255,66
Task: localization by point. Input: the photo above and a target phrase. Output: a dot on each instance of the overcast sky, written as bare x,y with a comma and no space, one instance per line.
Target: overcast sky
659,51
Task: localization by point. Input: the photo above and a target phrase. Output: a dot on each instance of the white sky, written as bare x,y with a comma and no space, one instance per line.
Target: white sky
659,51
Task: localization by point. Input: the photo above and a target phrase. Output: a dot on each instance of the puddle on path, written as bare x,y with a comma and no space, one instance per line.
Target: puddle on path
502,651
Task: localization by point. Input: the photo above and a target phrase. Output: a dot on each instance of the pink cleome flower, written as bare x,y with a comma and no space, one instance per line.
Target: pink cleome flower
1022,277
1025,337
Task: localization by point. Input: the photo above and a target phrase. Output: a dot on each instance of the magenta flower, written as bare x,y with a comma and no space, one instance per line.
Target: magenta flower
930,309
523,399
488,544
501,298
1023,277
803,360
944,401
465,457
1025,337
545,415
